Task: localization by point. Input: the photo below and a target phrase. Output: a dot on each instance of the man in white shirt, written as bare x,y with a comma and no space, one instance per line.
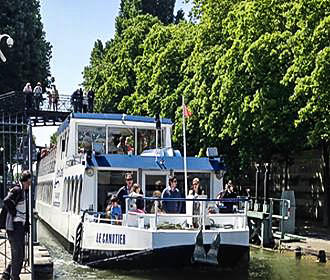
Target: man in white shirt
37,92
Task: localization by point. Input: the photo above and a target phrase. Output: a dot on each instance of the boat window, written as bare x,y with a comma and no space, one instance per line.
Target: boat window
45,192
68,190
67,141
121,140
109,182
204,179
64,196
63,145
79,196
71,187
74,195
89,136
146,139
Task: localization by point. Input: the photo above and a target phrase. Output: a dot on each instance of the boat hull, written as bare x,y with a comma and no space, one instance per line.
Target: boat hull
229,256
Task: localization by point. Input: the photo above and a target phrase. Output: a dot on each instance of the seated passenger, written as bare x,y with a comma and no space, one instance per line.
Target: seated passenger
129,145
122,149
113,211
172,192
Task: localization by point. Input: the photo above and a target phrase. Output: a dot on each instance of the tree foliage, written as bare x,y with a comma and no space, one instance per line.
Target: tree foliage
254,73
28,59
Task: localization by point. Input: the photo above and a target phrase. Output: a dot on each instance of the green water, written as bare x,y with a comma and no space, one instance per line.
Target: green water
264,266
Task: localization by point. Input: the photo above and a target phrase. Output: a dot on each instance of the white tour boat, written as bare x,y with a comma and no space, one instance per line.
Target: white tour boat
76,177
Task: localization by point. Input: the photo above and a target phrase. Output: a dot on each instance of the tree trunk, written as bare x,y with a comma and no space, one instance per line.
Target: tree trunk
326,181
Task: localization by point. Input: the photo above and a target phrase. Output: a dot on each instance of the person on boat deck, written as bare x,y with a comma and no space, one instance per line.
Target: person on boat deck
150,203
125,190
172,192
159,186
196,188
195,191
113,210
136,203
157,194
229,192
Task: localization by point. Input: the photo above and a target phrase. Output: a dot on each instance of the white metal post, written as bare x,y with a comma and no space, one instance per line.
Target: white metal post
184,149
31,256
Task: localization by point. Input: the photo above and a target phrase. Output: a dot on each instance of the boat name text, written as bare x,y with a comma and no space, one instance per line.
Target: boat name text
110,238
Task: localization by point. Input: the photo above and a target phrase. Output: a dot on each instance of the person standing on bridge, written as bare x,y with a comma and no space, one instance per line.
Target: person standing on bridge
80,100
55,97
37,91
74,100
85,103
29,94
90,97
15,219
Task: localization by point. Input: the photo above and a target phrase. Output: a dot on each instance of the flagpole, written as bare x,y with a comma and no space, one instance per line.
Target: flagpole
184,148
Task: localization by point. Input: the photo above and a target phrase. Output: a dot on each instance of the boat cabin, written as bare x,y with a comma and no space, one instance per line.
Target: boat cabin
95,151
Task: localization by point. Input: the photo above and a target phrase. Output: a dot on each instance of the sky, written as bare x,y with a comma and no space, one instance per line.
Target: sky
72,27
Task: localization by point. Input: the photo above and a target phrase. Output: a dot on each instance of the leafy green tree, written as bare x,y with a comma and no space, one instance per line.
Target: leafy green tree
28,59
93,76
311,71
165,51
119,63
254,73
129,9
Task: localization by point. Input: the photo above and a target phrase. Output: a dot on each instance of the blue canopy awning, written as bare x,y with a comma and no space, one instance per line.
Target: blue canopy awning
150,163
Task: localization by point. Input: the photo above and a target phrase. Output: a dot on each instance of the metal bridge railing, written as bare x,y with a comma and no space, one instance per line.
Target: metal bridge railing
46,103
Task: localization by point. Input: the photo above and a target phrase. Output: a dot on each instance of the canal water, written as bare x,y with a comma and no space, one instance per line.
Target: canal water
263,266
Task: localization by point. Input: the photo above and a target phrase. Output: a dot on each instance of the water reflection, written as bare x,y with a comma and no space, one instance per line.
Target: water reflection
263,266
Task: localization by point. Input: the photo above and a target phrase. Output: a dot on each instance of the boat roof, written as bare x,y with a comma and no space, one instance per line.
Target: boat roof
112,117
150,162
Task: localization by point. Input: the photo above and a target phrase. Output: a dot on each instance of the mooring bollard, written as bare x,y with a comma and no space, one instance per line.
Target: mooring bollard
322,257
298,253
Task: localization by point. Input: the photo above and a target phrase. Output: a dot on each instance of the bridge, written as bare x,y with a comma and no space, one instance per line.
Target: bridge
19,111
22,106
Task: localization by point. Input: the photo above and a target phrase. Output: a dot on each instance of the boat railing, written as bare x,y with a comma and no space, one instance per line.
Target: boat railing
200,213
75,159
48,161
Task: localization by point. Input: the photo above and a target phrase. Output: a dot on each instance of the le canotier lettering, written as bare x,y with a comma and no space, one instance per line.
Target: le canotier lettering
110,238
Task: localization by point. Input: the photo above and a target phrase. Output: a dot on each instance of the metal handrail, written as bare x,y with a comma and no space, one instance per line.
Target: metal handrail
202,215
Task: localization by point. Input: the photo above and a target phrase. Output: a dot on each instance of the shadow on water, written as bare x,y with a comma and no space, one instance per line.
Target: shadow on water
263,266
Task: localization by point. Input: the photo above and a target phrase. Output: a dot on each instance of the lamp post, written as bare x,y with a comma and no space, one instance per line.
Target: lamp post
10,43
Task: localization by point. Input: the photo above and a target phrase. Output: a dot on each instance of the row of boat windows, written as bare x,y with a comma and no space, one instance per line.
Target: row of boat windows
118,140
71,199
45,192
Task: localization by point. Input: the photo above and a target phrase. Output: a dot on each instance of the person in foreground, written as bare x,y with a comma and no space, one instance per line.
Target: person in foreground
14,218
125,190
